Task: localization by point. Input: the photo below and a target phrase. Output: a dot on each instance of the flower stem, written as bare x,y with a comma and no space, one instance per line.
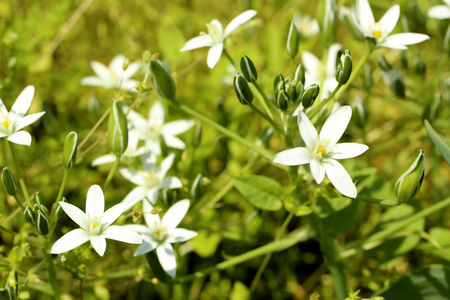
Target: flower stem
7,230
230,58
19,173
94,128
260,150
112,172
316,109
19,202
63,185
265,117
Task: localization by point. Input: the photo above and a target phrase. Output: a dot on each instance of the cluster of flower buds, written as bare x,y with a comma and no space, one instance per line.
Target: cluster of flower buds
241,79
38,216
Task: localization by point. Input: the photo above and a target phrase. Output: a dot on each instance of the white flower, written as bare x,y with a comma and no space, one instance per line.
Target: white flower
216,36
12,122
440,12
160,233
95,225
306,26
150,180
152,130
113,76
322,150
383,28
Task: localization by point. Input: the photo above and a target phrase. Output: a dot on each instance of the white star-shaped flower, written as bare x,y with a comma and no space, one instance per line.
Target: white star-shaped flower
160,233
151,130
12,122
95,225
440,12
383,28
113,76
216,36
306,26
149,180
322,150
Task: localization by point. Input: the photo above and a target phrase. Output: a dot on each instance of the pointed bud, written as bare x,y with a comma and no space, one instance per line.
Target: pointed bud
117,129
418,64
411,178
292,40
162,79
299,75
299,89
248,69
146,56
242,89
30,216
404,60
279,78
344,69
42,223
394,80
282,100
8,181
289,87
126,63
360,112
382,62
197,187
310,94
69,155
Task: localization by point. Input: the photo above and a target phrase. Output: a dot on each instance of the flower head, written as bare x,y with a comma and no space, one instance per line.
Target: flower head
382,29
149,180
12,122
322,150
306,26
160,233
216,36
113,76
95,225
440,12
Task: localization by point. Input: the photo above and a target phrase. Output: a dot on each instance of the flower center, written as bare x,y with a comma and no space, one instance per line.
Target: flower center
160,232
6,124
321,150
96,225
96,222
214,32
379,31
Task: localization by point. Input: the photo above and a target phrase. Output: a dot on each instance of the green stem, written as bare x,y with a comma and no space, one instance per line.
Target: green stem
52,275
316,109
20,203
265,117
63,185
7,230
19,173
387,203
261,151
112,172
268,105
230,58
293,238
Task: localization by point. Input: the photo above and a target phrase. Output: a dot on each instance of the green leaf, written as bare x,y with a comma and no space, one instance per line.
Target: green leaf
428,283
440,141
205,243
262,192
325,206
240,292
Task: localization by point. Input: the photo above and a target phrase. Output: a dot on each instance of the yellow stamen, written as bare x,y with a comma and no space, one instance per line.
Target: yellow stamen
377,33
6,124
159,233
321,150
96,223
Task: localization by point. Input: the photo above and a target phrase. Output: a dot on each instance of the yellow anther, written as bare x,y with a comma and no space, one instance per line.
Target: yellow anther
6,124
159,233
377,33
96,223
321,150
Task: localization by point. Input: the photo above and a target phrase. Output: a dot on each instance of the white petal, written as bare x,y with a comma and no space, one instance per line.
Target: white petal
293,157
391,45
27,120
312,65
20,138
340,178
440,12
95,201
177,127
238,21
2,106
390,18
132,69
156,115
174,142
23,102
145,247
104,159
175,214
91,81
138,121
348,150
76,214
364,14
111,215
122,234
331,60
99,244
317,170
167,259
141,229
214,54
177,235
402,39
69,241
116,64
336,124
135,176
152,220
100,70
171,183
200,41
166,164
153,146
133,197
152,195
129,85
307,131
149,162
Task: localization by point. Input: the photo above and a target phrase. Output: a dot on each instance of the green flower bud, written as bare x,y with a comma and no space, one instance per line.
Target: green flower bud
12,285
411,178
69,155
279,78
344,69
367,77
117,129
404,60
310,94
248,69
289,87
432,109
42,223
394,80
418,64
242,89
299,89
8,181
59,212
197,187
282,100
162,79
360,111
292,40
382,62
299,75
146,56
126,63
169,196
30,215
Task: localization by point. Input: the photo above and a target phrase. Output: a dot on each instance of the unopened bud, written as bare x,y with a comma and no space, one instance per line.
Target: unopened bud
418,64
292,40
367,77
69,155
310,94
382,62
432,109
162,79
42,223
30,216
404,60
197,187
126,63
344,69
299,75
394,80
146,56
282,100
248,69
117,129
411,178
360,111
242,89
279,78
8,181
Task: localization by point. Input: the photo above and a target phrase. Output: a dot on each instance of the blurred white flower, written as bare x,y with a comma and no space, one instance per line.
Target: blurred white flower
306,26
113,76
149,180
382,29
95,225
160,233
12,122
152,130
216,36
440,12
322,150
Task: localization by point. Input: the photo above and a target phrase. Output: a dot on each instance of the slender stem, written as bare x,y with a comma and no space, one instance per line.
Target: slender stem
387,203
266,259
265,117
19,173
20,203
316,109
94,128
292,67
230,58
268,105
260,150
51,273
63,185
112,172
7,230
